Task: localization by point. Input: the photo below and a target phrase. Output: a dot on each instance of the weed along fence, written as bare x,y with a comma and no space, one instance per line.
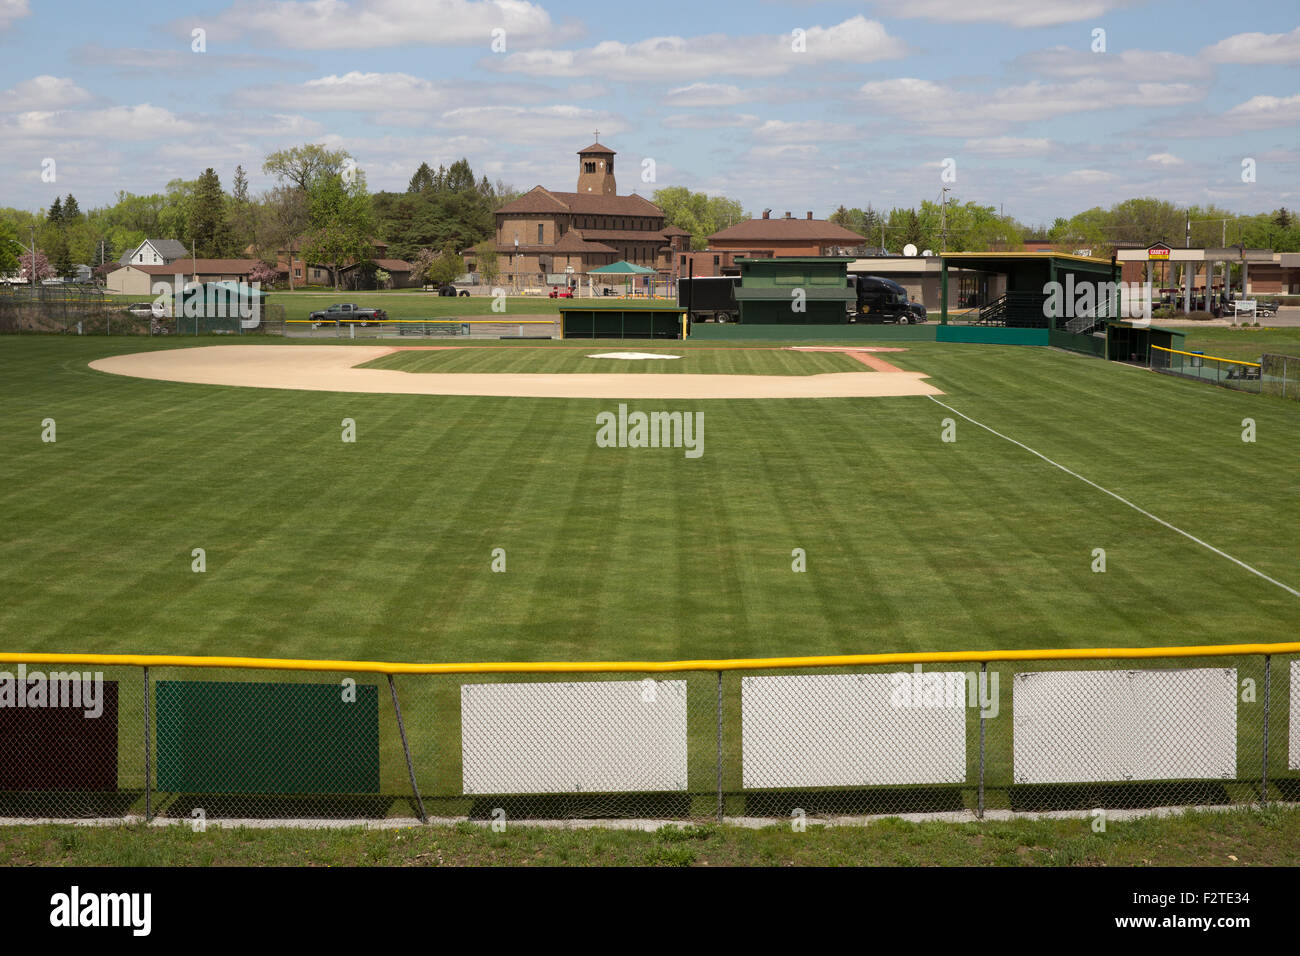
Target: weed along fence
125,736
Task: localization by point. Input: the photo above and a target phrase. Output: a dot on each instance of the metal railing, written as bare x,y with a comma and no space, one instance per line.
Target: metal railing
1230,373
125,736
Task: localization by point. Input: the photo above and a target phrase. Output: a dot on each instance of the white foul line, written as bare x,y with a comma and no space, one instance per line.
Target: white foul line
1142,511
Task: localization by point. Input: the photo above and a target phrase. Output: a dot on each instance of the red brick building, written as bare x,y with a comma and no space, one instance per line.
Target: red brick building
787,237
547,237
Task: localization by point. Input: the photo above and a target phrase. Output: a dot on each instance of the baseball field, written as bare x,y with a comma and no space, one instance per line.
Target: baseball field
967,518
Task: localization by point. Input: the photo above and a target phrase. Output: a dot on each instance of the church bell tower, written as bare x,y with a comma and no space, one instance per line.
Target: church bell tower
596,170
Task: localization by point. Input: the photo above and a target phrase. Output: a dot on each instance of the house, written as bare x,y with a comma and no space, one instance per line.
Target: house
154,252
138,280
296,271
549,237
767,237
361,275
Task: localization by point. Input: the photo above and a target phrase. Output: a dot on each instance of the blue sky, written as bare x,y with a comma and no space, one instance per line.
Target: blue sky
864,105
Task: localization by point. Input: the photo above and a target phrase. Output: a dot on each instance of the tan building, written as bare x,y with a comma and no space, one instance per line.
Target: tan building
766,237
547,237
139,280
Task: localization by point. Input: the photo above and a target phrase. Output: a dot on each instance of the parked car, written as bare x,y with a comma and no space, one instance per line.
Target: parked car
561,293
884,300
347,314
154,310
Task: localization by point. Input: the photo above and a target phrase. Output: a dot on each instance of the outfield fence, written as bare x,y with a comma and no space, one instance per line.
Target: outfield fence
423,328
1280,375
193,738
1232,373
73,309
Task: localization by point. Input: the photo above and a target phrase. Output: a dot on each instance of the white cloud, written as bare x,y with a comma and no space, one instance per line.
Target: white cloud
367,24
1130,65
350,91
1255,48
1008,146
856,40
42,93
141,59
1089,176
1263,112
1164,159
1016,13
708,120
786,151
941,110
115,123
11,10
560,122
707,94
804,131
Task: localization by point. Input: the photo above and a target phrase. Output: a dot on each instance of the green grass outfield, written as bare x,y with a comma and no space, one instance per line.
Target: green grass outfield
411,304
1244,344
381,549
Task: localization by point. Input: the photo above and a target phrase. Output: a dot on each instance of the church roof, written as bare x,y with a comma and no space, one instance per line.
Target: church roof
597,148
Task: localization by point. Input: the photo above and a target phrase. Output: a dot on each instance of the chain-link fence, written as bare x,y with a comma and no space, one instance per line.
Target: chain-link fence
757,740
413,329
1280,375
1231,373
78,309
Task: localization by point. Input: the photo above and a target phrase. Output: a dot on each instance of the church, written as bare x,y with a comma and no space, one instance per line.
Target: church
548,238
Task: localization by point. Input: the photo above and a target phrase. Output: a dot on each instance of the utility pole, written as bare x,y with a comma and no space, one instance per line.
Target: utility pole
943,219
1187,241
32,251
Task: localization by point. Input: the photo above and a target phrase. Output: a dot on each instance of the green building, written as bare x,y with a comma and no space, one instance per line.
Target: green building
795,290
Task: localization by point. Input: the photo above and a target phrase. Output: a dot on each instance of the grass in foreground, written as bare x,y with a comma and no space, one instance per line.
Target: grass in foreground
1269,837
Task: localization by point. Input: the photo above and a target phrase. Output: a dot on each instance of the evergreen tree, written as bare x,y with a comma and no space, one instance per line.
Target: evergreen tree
71,211
55,215
422,180
207,220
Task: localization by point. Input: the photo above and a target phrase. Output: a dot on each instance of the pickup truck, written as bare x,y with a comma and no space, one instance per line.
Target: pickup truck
347,315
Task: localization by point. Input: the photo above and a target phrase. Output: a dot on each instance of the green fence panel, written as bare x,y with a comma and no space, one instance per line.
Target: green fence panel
992,335
247,737
797,333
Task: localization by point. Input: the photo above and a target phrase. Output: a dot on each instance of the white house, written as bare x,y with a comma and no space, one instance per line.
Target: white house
154,252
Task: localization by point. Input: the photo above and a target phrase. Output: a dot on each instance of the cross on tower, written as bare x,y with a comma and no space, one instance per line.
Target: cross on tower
598,136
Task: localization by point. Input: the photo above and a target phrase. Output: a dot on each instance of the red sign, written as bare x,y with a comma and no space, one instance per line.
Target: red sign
1158,251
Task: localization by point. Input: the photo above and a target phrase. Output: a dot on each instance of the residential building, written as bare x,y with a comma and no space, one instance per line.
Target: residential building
767,237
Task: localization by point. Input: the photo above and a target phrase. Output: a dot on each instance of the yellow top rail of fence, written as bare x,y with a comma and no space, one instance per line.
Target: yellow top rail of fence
607,667
1201,355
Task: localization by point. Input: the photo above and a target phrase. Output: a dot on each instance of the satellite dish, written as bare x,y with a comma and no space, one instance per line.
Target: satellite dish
909,250
928,252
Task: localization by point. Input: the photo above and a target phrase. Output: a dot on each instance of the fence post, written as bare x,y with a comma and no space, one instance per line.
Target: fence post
148,783
406,749
720,806
1263,780
984,670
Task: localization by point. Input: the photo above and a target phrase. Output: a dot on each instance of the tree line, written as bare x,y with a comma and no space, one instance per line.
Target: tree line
320,210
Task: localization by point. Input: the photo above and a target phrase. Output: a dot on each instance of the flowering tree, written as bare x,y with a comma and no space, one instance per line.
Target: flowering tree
43,268
263,274
421,264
